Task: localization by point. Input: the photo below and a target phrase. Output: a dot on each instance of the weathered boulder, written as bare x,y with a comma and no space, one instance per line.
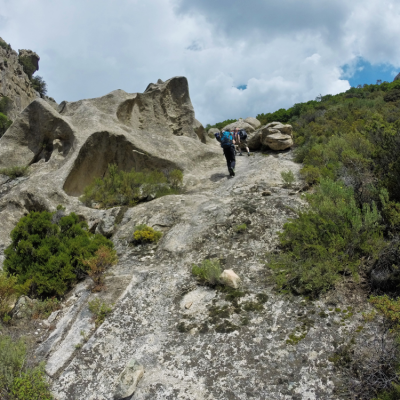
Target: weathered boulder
32,56
254,140
14,82
278,141
254,122
128,380
285,129
23,308
240,124
230,278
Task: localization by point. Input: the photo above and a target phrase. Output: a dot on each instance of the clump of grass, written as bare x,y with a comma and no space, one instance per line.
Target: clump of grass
121,188
100,309
14,172
240,228
145,234
41,309
208,272
288,178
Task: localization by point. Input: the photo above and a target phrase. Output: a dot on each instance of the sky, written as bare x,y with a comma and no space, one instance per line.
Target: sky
241,58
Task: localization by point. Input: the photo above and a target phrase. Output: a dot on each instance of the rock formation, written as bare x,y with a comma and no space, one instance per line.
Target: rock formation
14,82
254,122
240,124
397,77
275,135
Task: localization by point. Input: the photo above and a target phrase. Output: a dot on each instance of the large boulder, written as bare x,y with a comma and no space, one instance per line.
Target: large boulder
276,136
397,77
240,124
254,122
69,147
213,131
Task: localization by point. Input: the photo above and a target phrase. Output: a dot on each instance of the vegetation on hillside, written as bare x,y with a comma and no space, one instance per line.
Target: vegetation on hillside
48,252
119,188
220,125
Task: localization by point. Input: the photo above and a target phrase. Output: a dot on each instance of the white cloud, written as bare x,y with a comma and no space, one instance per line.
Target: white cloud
285,51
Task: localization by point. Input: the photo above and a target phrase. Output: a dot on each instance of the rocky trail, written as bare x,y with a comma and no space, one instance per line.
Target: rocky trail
190,341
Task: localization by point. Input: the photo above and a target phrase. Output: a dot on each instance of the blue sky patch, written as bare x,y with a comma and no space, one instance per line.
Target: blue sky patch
363,71
241,87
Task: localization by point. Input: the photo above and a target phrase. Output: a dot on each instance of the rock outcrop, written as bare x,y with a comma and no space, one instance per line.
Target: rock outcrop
275,135
14,82
240,124
254,122
397,77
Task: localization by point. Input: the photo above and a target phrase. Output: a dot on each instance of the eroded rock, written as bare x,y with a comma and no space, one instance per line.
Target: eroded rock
229,278
128,380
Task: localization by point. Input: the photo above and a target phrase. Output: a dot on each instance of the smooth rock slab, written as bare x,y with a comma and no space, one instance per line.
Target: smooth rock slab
128,380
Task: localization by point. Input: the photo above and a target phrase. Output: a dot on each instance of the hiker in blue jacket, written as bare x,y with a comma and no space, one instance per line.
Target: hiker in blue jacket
228,145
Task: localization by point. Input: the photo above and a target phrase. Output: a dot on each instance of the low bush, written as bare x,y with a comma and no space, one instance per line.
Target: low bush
100,309
326,241
5,123
14,172
8,294
145,234
119,188
288,178
5,104
240,228
47,252
103,259
41,309
19,381
208,272
27,65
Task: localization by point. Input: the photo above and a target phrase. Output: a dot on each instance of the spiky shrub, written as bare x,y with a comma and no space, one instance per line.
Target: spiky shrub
327,240
208,272
119,188
146,234
48,250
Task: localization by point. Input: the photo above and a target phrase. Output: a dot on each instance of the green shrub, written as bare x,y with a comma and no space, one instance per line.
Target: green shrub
48,250
129,188
288,178
208,272
4,45
5,104
41,309
326,241
14,172
39,85
31,385
27,65
100,309
146,234
17,380
5,123
8,293
240,228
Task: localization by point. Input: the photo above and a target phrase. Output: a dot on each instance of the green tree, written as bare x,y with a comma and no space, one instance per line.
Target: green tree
39,85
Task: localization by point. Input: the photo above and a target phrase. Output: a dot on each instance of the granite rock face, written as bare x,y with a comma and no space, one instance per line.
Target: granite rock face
14,82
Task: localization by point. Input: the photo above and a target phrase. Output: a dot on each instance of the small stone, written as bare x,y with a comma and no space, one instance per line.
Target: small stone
266,193
188,305
128,380
230,278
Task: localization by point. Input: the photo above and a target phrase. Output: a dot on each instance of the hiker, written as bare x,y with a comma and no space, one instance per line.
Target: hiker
228,145
240,139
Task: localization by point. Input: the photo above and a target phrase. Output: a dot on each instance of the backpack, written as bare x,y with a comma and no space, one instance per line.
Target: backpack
243,134
226,139
218,136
